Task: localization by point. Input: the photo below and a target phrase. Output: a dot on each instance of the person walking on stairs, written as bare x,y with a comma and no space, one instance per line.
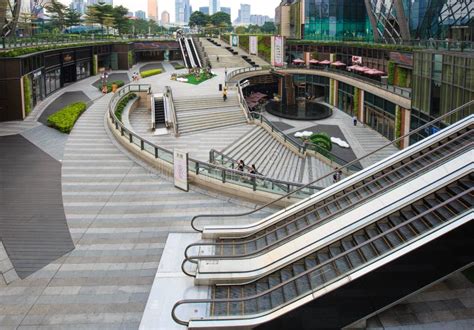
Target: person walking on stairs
224,94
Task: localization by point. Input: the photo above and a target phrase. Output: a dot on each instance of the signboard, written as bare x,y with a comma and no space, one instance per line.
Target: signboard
402,58
234,40
278,51
357,60
253,45
180,164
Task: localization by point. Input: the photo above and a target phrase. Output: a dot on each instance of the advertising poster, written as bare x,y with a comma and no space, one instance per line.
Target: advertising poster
234,40
357,60
253,45
278,51
180,163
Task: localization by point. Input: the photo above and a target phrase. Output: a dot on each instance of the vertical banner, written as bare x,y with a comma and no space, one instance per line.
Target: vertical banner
278,51
253,45
180,164
307,58
234,40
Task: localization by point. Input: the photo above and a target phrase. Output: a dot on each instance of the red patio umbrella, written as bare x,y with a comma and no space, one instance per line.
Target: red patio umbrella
325,62
313,61
338,63
298,61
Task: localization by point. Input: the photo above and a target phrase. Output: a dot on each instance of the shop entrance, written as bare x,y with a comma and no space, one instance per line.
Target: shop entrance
69,74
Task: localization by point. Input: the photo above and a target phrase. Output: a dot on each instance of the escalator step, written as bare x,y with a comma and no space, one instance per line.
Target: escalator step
310,262
264,302
235,308
250,306
366,250
301,223
281,233
380,244
291,228
276,295
251,246
392,237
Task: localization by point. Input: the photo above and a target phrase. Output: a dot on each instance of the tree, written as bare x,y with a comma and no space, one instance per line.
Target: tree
119,14
56,12
198,19
268,27
221,19
101,14
141,26
240,30
71,17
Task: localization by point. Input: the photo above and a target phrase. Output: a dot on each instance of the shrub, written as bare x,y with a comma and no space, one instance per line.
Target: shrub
179,67
391,72
27,94
322,140
149,73
122,104
119,84
64,119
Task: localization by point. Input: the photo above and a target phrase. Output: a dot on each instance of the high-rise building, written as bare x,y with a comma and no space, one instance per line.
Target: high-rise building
153,12
140,14
94,2
183,11
226,10
204,10
396,20
214,7
79,6
165,18
244,15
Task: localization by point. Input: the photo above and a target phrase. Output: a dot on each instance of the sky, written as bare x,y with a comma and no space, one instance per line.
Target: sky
259,7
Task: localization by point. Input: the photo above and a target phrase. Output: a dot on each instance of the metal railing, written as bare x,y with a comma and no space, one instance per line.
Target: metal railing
64,39
253,182
174,118
320,266
418,132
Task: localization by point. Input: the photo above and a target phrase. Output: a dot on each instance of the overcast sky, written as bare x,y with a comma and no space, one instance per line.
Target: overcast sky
259,7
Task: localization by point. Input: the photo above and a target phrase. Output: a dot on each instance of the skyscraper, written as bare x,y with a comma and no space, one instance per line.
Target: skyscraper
183,11
79,6
204,10
214,6
226,10
140,14
244,15
165,18
153,10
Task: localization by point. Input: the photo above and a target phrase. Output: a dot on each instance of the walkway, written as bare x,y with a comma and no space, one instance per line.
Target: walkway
259,61
119,215
226,59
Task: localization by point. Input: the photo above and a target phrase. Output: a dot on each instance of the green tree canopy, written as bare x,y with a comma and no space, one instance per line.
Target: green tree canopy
221,19
198,19
56,12
71,17
268,27
119,14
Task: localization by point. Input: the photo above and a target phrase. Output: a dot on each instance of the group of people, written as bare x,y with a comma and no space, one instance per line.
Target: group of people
241,167
135,76
337,176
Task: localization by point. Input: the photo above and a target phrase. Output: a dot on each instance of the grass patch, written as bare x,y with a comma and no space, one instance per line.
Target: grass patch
119,84
149,73
196,80
64,119
123,103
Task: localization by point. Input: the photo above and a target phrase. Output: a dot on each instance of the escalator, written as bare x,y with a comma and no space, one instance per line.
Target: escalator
160,117
184,52
190,54
234,245
194,52
443,213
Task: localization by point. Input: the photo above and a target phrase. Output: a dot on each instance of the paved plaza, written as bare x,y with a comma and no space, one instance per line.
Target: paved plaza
119,212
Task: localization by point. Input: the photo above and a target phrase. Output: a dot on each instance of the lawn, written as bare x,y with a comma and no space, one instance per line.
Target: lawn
192,79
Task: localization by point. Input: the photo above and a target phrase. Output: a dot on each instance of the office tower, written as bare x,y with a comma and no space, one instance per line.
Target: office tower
141,14
244,15
79,6
153,10
204,10
183,11
165,18
226,10
214,6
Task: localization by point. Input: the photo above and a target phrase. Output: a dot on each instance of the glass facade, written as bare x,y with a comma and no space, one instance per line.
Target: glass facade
83,70
396,20
336,20
52,80
345,98
312,86
380,115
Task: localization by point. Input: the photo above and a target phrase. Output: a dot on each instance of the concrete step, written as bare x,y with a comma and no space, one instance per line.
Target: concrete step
229,150
210,120
205,112
208,127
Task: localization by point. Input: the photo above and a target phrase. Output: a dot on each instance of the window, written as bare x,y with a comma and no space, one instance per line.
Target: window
52,80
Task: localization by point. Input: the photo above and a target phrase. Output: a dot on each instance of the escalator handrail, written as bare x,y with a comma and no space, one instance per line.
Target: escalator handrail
308,271
302,230
190,54
180,41
195,52
415,131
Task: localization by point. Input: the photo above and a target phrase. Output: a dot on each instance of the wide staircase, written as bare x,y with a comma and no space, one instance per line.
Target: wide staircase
275,160
207,112
253,60
347,251
220,57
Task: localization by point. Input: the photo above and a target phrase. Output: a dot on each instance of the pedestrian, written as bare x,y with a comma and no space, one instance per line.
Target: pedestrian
241,165
337,175
217,59
253,169
354,120
224,94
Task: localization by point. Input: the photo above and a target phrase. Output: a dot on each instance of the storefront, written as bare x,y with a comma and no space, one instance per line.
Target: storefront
380,115
37,87
311,86
345,98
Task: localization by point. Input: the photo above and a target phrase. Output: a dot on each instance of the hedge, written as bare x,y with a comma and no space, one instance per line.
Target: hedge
27,93
119,84
149,73
64,119
122,104
391,72
322,140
